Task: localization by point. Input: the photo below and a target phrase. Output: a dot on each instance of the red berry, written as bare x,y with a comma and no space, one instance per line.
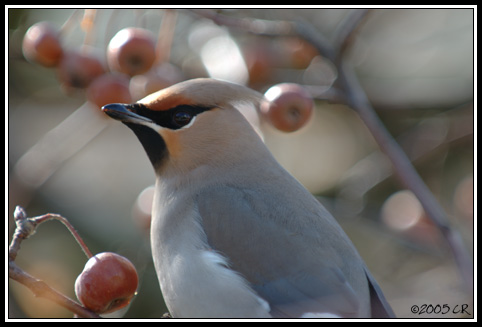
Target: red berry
131,51
109,88
41,44
79,69
289,106
107,283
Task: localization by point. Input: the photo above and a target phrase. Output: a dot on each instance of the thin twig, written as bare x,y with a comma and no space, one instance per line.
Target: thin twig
63,220
41,289
70,23
346,29
87,24
166,35
250,25
310,34
375,168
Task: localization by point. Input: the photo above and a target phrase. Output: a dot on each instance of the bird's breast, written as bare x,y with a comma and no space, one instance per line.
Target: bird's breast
196,281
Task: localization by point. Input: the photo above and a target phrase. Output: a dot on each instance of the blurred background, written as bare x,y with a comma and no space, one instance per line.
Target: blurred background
416,66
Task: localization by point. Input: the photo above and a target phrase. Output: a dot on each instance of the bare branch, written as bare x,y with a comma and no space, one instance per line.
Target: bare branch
250,25
41,289
25,228
346,29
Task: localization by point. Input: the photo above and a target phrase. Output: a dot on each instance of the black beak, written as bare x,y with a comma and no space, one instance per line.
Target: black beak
124,113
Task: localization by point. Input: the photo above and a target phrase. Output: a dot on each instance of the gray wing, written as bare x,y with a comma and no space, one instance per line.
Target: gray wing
293,253
380,307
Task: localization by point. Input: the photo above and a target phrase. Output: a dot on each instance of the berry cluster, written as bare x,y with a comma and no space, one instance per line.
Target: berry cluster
132,71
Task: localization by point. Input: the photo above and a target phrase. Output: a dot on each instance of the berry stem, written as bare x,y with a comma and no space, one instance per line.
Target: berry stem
166,35
70,23
87,25
63,220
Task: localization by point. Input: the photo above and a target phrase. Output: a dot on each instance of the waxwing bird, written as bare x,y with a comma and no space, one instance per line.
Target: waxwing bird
233,234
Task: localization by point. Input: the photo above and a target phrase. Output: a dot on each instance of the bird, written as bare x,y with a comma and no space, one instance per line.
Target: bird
233,234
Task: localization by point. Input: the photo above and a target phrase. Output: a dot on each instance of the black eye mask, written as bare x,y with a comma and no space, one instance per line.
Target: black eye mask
174,118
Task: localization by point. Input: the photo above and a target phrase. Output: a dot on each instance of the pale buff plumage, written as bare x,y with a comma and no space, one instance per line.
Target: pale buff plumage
233,234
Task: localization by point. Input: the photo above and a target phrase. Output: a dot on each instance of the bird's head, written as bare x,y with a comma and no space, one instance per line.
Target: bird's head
191,123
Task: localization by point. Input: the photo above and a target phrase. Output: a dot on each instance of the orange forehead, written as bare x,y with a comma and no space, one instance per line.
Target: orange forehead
163,100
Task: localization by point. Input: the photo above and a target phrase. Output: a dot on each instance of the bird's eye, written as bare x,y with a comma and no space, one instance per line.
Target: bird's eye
181,118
